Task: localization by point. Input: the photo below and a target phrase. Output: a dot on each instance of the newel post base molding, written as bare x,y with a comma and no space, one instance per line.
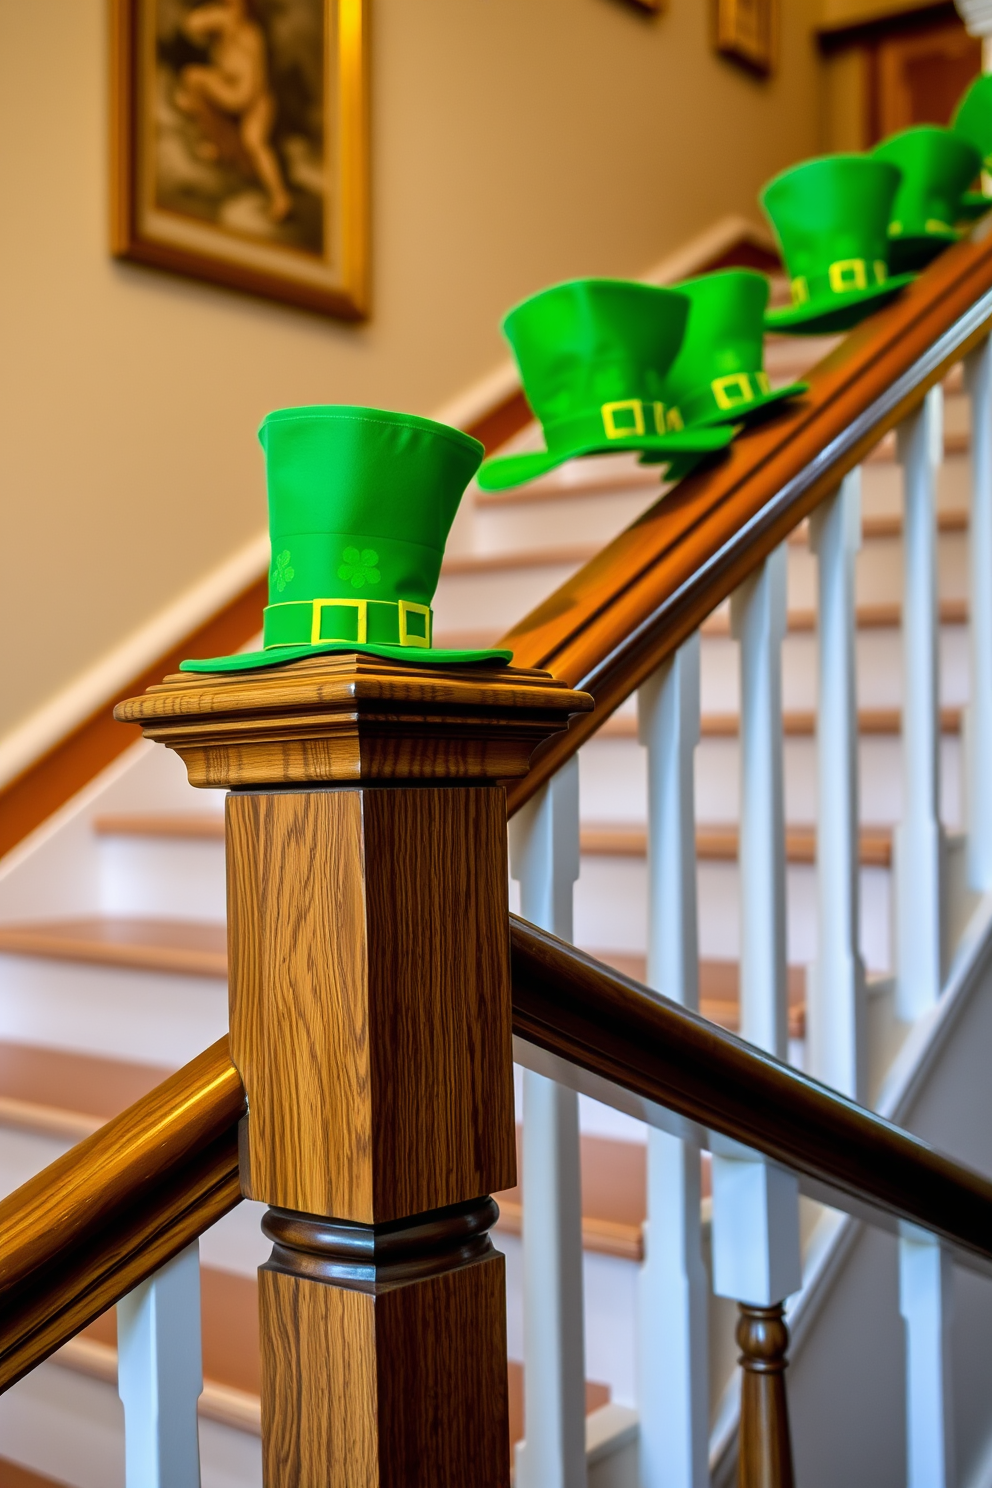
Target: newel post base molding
371,1025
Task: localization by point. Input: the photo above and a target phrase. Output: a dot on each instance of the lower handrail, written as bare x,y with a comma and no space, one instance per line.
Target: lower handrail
86,1230
591,1016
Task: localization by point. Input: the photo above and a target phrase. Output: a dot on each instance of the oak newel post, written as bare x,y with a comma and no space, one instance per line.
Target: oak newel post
370,1021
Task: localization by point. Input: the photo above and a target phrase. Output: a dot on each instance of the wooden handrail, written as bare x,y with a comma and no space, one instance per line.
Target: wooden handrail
88,1228
609,626
572,1006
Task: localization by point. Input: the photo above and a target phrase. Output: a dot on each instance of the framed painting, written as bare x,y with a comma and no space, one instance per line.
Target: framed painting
239,145
746,30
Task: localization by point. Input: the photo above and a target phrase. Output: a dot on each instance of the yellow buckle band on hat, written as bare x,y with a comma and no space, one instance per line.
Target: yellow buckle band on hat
636,407
852,273
408,638
318,606
748,386
302,622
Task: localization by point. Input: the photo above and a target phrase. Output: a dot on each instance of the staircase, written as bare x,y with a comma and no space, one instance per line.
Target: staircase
113,946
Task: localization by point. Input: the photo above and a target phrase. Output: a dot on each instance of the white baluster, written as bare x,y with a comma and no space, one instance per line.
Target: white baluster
160,1375
758,618
919,838
978,724
835,1010
926,1303
756,1254
544,854
673,1321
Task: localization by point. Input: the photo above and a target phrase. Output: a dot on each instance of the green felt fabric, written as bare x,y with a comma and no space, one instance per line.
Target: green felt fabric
937,167
253,660
831,218
718,375
973,117
593,354
361,501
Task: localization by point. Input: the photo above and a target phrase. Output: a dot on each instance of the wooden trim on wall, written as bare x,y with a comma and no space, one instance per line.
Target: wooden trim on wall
833,39
50,781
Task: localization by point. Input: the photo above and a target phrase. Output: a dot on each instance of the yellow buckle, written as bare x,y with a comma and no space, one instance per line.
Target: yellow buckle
407,607
881,270
800,290
934,224
761,378
723,387
320,605
847,274
625,405
674,421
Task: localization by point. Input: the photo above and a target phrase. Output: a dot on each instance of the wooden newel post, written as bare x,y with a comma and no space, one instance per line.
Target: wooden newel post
765,1450
371,1024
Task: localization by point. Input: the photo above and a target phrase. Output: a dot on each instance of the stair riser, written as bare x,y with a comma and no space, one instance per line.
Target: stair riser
163,876
494,600
541,524
879,657
611,910
141,1016
71,1428
610,1290
613,780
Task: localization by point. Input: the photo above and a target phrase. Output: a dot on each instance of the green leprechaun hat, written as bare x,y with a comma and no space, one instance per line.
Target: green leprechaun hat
973,117
593,355
719,374
973,121
831,217
937,166
360,505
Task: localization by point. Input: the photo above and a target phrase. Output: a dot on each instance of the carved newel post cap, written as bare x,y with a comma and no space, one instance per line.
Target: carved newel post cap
352,717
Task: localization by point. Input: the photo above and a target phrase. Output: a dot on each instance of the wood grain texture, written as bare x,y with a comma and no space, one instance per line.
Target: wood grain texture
406,1388
610,625
350,718
84,1231
369,985
600,1020
764,1454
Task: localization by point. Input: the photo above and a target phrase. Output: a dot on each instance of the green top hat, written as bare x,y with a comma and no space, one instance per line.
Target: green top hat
937,165
973,121
973,116
719,375
831,218
360,506
593,356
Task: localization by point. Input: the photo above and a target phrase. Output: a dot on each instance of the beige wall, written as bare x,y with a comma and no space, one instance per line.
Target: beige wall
515,142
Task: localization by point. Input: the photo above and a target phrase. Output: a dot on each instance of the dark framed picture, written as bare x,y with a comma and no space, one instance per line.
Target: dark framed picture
746,30
239,145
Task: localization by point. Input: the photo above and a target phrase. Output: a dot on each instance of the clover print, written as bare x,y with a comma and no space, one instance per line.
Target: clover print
359,567
282,573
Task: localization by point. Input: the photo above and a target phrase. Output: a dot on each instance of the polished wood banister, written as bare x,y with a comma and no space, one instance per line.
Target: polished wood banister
88,1228
571,1005
611,624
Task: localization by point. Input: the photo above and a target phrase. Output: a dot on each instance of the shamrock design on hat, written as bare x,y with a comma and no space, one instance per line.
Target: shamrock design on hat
361,501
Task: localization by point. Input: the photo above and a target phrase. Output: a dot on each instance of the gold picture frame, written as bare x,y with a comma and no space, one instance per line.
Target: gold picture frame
747,31
248,169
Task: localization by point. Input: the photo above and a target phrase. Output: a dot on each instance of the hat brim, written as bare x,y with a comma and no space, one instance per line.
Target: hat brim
250,661
839,313
743,413
973,204
911,252
504,471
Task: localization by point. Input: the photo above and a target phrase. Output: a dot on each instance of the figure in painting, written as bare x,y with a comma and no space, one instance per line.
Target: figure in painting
230,97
